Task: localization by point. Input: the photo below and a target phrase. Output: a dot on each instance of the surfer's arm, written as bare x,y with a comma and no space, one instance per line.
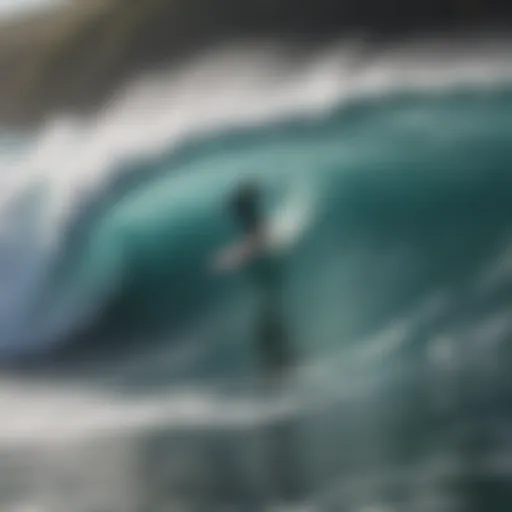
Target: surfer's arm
235,256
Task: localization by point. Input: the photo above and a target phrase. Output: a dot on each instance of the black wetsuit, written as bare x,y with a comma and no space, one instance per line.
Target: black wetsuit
273,343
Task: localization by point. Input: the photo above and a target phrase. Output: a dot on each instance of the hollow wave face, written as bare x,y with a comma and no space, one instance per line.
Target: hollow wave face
107,246
389,188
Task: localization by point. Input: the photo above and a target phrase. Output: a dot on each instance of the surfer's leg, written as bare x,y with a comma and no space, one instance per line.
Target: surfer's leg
275,349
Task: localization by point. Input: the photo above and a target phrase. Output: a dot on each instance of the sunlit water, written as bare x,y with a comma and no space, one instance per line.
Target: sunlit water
142,392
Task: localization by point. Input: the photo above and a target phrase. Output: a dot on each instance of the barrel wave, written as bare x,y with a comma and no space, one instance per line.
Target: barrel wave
398,288
418,182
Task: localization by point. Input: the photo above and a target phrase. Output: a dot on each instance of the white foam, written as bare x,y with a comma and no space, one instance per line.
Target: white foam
45,414
17,8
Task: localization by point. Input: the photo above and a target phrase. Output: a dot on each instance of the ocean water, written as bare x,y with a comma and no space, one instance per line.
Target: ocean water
129,376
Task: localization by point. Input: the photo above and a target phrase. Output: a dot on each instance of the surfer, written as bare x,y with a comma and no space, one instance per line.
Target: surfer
253,256
256,255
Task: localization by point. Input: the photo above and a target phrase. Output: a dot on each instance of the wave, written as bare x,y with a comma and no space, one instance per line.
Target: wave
112,220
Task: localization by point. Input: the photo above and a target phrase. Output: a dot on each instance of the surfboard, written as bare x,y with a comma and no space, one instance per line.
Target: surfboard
291,220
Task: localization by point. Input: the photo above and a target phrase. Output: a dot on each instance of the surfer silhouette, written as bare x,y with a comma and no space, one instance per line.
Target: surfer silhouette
253,255
257,255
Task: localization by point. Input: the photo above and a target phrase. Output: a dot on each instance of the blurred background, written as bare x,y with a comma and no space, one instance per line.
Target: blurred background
380,136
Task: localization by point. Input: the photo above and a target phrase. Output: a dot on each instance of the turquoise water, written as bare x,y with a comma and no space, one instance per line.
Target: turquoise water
411,199
398,297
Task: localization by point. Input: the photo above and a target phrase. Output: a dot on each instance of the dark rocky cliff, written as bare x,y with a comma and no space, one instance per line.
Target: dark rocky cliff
74,57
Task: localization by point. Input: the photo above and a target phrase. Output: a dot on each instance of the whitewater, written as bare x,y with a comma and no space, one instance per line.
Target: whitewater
129,379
